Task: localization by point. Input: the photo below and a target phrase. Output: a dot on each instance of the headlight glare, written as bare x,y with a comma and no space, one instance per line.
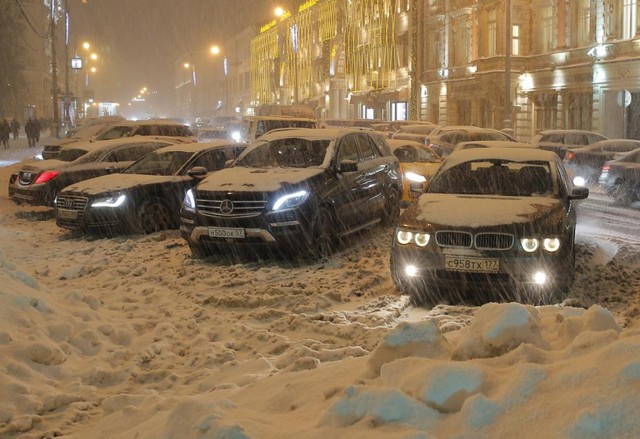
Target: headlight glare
421,239
551,244
404,236
529,244
416,178
112,201
290,201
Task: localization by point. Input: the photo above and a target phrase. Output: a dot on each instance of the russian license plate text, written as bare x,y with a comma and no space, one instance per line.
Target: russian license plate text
465,263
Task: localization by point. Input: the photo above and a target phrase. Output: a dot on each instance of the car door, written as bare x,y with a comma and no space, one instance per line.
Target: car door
347,196
373,176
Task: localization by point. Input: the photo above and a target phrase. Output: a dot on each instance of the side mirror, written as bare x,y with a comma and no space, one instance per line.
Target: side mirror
197,172
416,189
348,166
579,193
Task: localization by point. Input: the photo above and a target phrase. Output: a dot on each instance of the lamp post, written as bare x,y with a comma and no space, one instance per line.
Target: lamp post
215,51
282,13
507,66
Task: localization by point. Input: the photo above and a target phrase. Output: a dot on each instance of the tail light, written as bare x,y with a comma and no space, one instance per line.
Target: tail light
606,168
569,155
46,176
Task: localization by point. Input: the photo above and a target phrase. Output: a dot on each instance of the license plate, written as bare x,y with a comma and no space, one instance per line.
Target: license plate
473,264
226,232
67,214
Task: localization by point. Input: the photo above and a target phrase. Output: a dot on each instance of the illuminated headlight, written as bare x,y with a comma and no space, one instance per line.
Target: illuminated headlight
236,136
113,201
416,178
189,202
290,201
579,181
405,237
411,270
529,244
540,277
551,244
39,157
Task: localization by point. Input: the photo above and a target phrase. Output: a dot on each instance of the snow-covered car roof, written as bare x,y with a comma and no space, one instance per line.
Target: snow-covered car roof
91,145
313,133
493,144
195,147
399,143
608,143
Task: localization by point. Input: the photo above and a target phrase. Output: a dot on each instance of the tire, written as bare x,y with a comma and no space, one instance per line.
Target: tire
391,212
153,216
322,235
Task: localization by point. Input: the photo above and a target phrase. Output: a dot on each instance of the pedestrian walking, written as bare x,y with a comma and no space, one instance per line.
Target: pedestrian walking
32,131
38,129
15,127
5,131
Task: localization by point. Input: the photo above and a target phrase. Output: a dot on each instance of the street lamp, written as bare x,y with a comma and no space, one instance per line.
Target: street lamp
215,51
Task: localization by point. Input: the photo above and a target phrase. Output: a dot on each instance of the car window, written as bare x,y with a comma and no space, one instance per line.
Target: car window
132,152
552,138
406,154
116,133
74,155
288,153
593,138
382,145
165,163
211,160
576,139
453,137
348,149
367,149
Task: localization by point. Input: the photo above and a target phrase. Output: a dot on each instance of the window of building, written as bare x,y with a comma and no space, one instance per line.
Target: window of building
464,112
515,40
546,105
629,18
398,111
433,47
492,33
545,42
580,109
582,23
462,43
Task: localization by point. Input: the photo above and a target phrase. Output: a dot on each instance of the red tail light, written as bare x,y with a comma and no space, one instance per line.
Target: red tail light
606,168
570,155
46,176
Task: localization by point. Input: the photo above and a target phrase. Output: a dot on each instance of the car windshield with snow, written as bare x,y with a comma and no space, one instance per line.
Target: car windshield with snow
146,196
299,189
493,221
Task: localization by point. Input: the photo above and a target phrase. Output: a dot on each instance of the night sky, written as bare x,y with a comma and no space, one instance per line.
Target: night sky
140,42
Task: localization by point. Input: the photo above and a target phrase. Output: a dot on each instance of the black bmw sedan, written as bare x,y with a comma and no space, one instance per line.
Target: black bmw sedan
145,197
39,182
498,223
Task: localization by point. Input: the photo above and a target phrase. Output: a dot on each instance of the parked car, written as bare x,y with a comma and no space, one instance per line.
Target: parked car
51,149
252,127
492,220
146,196
492,144
129,128
586,162
620,178
295,190
39,182
444,139
418,132
559,141
91,121
210,133
418,163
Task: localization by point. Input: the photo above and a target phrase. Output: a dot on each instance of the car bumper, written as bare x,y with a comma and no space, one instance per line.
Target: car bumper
76,213
35,195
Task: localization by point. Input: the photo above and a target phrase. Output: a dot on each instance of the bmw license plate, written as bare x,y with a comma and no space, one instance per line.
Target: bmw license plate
472,264
67,214
226,232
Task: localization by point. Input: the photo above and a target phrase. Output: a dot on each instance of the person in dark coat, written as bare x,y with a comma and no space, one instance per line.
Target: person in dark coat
38,129
5,130
32,131
15,127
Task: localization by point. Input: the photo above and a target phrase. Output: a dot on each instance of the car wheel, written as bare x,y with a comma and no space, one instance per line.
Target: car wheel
322,237
391,212
153,216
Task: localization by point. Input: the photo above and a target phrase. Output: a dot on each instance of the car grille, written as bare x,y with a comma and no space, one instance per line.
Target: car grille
481,241
71,202
231,207
450,238
494,241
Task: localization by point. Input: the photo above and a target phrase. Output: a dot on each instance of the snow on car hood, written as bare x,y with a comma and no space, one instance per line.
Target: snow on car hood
481,210
243,179
114,182
44,165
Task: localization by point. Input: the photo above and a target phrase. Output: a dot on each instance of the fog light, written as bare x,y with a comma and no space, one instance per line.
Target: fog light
411,270
540,278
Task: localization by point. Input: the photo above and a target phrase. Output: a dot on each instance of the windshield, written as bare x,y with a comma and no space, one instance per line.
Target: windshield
495,177
165,163
82,156
286,153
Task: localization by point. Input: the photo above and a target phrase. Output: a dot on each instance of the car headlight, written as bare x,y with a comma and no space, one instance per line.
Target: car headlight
529,244
418,238
189,202
579,181
236,136
290,201
551,244
416,178
112,201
